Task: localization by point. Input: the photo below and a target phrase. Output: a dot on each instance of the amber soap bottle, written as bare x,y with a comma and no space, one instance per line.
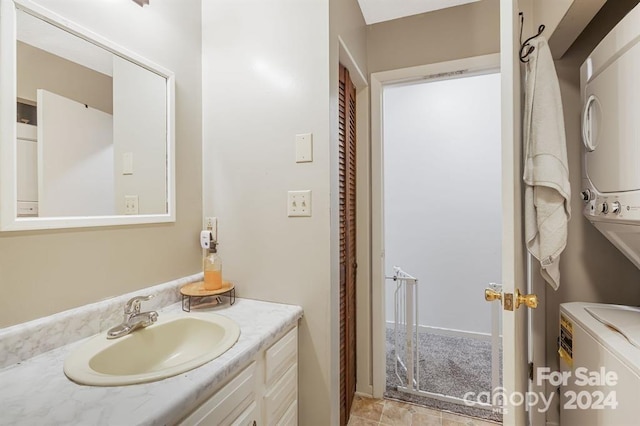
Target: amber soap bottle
212,266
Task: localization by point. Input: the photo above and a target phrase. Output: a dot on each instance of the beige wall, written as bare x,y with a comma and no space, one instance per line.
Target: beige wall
139,128
261,87
592,269
43,272
38,69
550,13
457,32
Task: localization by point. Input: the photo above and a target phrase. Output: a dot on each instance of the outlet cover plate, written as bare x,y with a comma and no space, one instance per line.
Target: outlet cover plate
211,222
299,203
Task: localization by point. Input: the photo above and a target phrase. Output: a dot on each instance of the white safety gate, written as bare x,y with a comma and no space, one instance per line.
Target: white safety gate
406,314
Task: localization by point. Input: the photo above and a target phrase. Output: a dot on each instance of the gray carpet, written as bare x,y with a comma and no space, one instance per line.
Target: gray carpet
448,365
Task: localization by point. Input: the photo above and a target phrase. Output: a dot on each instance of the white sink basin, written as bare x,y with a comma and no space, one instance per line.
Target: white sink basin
174,344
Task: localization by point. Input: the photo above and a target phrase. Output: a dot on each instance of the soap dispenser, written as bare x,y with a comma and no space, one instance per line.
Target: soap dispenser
212,268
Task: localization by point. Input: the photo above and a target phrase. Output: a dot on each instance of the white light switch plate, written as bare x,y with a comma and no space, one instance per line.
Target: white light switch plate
304,148
299,203
127,163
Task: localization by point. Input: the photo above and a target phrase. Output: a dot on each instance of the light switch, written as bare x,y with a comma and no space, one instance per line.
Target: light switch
130,204
304,148
127,163
298,203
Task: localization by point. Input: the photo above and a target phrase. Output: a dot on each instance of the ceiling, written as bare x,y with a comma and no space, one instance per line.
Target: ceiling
385,10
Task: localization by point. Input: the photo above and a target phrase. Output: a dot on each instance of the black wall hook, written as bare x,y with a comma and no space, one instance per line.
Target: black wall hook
526,49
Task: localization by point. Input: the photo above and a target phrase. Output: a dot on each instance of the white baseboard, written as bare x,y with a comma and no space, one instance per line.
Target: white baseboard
365,394
364,390
451,332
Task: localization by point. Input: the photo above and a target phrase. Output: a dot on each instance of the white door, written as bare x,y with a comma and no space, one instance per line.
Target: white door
515,360
514,321
75,158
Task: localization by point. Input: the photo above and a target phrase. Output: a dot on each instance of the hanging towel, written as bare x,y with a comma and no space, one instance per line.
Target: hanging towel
546,173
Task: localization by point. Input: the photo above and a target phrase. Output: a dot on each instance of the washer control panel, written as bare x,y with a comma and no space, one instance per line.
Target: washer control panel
623,206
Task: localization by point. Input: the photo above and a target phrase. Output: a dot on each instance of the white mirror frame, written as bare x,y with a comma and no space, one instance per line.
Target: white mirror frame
9,220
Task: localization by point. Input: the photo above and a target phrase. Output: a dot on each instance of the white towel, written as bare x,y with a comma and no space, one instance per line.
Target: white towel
546,173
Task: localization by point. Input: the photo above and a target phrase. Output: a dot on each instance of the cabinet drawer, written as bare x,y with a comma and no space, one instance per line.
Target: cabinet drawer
249,417
226,404
290,417
280,356
281,395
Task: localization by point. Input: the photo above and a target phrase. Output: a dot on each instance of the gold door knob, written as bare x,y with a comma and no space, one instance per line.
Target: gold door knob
491,295
529,300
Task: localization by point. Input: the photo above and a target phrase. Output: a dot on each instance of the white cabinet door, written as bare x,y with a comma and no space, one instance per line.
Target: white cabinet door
249,417
281,395
226,405
264,393
290,417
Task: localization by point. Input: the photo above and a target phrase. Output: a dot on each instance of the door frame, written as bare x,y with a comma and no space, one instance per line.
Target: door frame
515,341
439,71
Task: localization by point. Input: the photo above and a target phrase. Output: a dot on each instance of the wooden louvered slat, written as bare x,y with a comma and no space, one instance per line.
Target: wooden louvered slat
347,201
351,245
342,183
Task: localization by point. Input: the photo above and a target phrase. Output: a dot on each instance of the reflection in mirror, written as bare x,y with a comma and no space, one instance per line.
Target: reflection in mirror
93,135
101,128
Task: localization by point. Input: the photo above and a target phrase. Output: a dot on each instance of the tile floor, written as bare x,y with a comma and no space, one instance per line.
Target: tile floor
384,412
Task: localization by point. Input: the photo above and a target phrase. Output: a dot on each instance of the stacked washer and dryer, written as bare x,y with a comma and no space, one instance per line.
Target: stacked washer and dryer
600,344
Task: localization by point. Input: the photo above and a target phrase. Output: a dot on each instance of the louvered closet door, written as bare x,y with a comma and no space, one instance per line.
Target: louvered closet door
348,266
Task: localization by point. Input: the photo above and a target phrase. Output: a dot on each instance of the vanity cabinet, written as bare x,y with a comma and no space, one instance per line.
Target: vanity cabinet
281,380
263,393
231,405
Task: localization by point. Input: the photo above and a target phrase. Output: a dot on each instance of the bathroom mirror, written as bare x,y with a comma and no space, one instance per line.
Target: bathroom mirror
86,127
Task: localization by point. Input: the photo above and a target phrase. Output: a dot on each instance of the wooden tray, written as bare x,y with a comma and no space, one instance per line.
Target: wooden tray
197,289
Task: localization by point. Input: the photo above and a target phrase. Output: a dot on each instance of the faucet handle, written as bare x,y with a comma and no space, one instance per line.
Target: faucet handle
133,305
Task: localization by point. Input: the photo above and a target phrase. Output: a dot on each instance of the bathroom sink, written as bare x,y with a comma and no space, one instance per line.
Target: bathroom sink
174,344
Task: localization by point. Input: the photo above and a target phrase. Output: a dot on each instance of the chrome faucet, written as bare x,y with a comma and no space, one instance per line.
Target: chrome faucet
133,318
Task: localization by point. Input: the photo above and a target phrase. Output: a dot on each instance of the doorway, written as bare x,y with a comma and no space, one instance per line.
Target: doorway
441,237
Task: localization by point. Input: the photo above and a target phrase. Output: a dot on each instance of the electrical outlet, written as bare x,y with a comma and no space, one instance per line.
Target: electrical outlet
208,222
130,204
298,203
211,223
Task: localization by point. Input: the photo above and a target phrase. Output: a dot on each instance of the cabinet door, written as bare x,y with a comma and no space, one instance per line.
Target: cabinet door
228,404
280,356
290,417
281,395
249,417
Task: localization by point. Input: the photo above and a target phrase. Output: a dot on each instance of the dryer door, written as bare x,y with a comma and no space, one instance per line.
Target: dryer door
611,125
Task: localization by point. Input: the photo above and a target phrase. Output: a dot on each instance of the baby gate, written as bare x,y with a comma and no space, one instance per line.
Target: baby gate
406,314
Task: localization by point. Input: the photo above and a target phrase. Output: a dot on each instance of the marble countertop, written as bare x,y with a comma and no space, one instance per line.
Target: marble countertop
36,391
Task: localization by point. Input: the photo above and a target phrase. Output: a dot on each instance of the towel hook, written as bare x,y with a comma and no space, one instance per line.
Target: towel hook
526,49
